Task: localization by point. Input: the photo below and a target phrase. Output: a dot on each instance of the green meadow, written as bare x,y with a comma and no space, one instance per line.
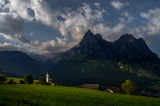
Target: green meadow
45,95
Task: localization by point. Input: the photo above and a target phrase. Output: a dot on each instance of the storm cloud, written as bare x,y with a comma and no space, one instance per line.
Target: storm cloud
71,23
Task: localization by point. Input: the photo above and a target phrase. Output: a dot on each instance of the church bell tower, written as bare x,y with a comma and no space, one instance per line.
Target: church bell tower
47,77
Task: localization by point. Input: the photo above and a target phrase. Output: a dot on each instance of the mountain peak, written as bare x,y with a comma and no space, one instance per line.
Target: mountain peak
91,38
92,44
127,38
88,34
127,35
89,31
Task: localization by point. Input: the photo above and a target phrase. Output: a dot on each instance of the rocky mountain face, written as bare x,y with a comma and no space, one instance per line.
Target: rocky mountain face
126,47
132,49
91,44
95,60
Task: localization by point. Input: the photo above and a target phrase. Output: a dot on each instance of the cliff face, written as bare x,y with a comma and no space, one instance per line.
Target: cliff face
126,47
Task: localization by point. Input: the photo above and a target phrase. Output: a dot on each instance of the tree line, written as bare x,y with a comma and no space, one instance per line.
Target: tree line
128,86
28,79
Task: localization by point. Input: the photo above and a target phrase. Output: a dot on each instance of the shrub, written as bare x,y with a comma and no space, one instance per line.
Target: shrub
42,80
28,78
2,79
10,81
21,82
1,82
128,86
48,83
56,83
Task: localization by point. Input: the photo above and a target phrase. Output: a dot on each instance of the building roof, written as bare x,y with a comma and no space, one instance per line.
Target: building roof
90,86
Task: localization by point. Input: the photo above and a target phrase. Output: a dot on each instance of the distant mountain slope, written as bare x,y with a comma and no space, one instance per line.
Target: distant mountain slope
95,60
87,69
19,63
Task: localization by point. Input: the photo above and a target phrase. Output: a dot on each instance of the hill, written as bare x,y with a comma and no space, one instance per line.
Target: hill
15,63
87,69
59,95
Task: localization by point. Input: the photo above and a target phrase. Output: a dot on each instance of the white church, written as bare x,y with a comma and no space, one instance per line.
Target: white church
48,79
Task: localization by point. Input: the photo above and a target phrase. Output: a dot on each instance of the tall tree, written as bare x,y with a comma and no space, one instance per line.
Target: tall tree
129,87
28,78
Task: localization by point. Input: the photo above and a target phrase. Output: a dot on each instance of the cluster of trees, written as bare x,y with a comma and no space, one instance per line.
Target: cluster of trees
28,79
3,80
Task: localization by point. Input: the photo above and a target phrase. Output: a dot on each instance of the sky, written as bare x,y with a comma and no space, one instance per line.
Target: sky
48,27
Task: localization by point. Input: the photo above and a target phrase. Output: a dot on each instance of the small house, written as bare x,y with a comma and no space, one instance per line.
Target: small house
113,90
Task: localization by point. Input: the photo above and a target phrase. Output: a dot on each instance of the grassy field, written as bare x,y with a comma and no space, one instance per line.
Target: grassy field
44,95
15,79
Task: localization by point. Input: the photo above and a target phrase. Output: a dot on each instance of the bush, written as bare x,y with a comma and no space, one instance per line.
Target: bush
128,86
2,79
1,82
56,83
42,80
48,83
28,78
21,82
10,81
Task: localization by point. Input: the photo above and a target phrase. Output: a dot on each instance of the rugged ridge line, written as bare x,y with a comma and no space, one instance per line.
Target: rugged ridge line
127,48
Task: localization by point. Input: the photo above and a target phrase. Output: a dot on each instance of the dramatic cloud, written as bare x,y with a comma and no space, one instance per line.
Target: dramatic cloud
14,13
153,21
119,5
2,3
30,10
72,25
76,23
127,16
11,28
110,33
10,47
97,4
